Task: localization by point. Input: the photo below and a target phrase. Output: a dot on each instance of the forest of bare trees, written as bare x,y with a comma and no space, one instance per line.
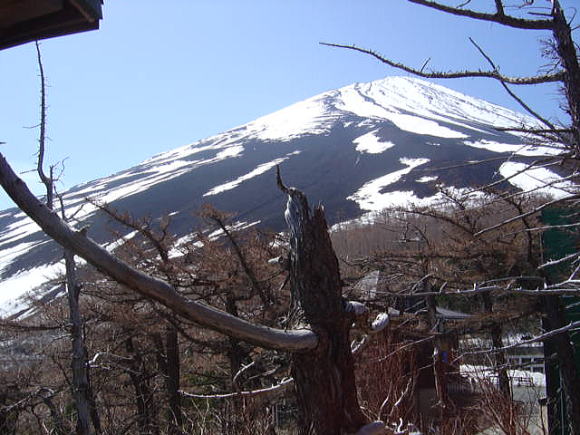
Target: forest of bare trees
239,331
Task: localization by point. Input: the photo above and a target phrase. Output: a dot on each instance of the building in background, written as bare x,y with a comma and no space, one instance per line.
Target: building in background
30,20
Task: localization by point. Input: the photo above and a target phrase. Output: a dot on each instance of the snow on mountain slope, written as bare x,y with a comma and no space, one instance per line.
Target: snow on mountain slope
357,149
371,143
411,105
537,179
417,105
369,196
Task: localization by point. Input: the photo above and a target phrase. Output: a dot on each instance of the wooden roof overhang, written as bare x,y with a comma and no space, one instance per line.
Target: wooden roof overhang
23,21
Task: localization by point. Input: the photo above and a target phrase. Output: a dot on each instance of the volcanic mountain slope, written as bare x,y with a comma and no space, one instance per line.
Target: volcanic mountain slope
356,149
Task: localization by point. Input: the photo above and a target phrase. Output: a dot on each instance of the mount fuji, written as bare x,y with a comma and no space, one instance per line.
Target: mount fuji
356,149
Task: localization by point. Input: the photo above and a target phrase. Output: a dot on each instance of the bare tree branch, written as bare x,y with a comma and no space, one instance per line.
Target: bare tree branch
48,181
547,78
538,131
500,17
548,291
560,260
499,8
150,287
510,92
268,391
215,217
572,326
529,213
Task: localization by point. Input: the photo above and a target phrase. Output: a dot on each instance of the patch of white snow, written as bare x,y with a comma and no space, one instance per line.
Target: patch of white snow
306,117
515,149
483,372
13,290
369,196
418,125
539,180
370,143
426,179
264,167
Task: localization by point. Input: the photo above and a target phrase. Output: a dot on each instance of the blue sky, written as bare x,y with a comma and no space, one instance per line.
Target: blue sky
159,75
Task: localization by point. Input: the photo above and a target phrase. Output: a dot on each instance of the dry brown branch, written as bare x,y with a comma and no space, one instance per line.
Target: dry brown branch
274,390
493,74
143,284
500,17
572,326
526,107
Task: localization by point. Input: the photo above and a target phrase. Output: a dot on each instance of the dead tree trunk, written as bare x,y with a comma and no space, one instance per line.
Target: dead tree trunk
82,394
236,355
566,49
324,376
172,380
169,365
144,396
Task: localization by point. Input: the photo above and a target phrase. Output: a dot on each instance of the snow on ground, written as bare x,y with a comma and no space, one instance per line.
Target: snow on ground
150,177
372,144
352,100
15,289
177,250
418,125
515,149
369,196
522,376
158,169
539,180
18,229
222,141
110,247
426,179
306,117
440,103
411,104
264,167
233,151
406,199
395,98
7,255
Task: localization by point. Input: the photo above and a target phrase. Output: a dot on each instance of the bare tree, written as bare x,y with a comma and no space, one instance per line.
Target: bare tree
84,402
322,364
565,71
325,376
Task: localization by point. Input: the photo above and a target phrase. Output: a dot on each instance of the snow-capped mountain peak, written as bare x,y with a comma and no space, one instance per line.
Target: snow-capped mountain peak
357,149
411,104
